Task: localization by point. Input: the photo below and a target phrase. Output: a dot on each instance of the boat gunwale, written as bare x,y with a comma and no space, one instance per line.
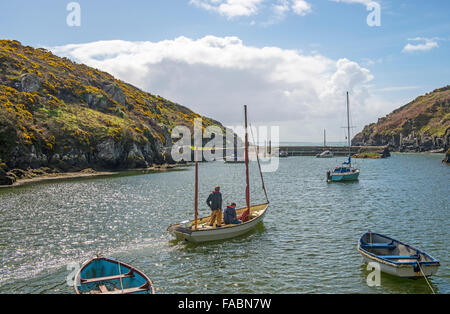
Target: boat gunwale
355,170
108,259
392,263
227,226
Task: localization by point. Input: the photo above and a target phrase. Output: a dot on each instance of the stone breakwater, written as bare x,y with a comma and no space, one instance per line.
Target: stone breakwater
381,151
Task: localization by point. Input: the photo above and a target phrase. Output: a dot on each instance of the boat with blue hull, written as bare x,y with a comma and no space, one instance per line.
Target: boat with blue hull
344,173
103,275
396,258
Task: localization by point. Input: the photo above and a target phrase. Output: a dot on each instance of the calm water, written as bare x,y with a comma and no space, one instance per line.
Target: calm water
307,243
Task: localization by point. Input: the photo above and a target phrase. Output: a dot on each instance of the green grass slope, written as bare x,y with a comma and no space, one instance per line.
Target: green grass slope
57,113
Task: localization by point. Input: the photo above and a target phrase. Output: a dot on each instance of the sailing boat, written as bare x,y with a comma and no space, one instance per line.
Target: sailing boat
234,159
326,153
199,230
345,172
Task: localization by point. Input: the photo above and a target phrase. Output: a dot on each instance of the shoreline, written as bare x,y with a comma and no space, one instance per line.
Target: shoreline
90,173
57,176
86,173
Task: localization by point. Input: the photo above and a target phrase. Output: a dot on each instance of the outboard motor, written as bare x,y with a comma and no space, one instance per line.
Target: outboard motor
328,175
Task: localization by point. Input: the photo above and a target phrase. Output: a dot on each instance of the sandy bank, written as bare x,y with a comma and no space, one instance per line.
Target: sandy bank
87,173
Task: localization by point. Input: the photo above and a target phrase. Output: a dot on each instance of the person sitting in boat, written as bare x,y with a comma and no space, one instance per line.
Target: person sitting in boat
214,202
229,215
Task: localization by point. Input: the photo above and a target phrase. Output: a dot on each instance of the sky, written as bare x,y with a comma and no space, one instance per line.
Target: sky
290,61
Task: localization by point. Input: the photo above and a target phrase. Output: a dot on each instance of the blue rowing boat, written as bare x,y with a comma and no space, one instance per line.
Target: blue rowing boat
103,275
395,257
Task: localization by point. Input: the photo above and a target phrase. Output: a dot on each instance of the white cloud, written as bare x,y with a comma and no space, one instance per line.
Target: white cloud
281,8
215,76
230,8
425,45
365,2
301,7
246,8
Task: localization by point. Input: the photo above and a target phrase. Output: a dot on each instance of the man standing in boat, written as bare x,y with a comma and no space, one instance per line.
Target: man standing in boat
214,202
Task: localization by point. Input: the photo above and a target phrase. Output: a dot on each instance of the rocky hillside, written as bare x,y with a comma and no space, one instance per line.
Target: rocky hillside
447,157
58,114
421,125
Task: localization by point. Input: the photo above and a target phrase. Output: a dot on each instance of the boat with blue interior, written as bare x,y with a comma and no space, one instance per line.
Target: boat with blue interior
102,275
396,258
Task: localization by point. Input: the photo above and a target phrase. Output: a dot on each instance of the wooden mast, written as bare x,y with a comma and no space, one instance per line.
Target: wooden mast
196,189
247,190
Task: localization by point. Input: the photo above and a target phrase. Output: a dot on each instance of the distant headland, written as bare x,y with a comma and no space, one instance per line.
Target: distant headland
422,125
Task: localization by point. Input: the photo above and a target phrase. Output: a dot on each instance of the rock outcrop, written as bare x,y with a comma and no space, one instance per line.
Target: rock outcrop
422,125
115,92
447,157
30,83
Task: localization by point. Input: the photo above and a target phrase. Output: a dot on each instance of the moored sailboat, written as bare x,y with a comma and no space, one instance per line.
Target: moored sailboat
345,172
199,230
326,153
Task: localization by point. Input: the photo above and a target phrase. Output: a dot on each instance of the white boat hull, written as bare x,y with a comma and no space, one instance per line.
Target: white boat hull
207,234
404,271
396,258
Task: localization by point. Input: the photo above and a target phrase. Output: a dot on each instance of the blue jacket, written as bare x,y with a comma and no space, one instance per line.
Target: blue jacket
214,200
229,215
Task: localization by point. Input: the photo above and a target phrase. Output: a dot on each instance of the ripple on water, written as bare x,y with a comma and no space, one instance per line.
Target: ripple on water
307,243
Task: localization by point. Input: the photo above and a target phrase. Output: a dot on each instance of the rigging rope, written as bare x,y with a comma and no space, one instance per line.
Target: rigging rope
259,165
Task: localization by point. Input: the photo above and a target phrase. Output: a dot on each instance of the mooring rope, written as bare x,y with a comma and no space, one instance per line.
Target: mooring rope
429,285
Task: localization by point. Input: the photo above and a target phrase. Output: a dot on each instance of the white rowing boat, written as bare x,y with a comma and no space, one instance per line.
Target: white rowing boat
395,257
